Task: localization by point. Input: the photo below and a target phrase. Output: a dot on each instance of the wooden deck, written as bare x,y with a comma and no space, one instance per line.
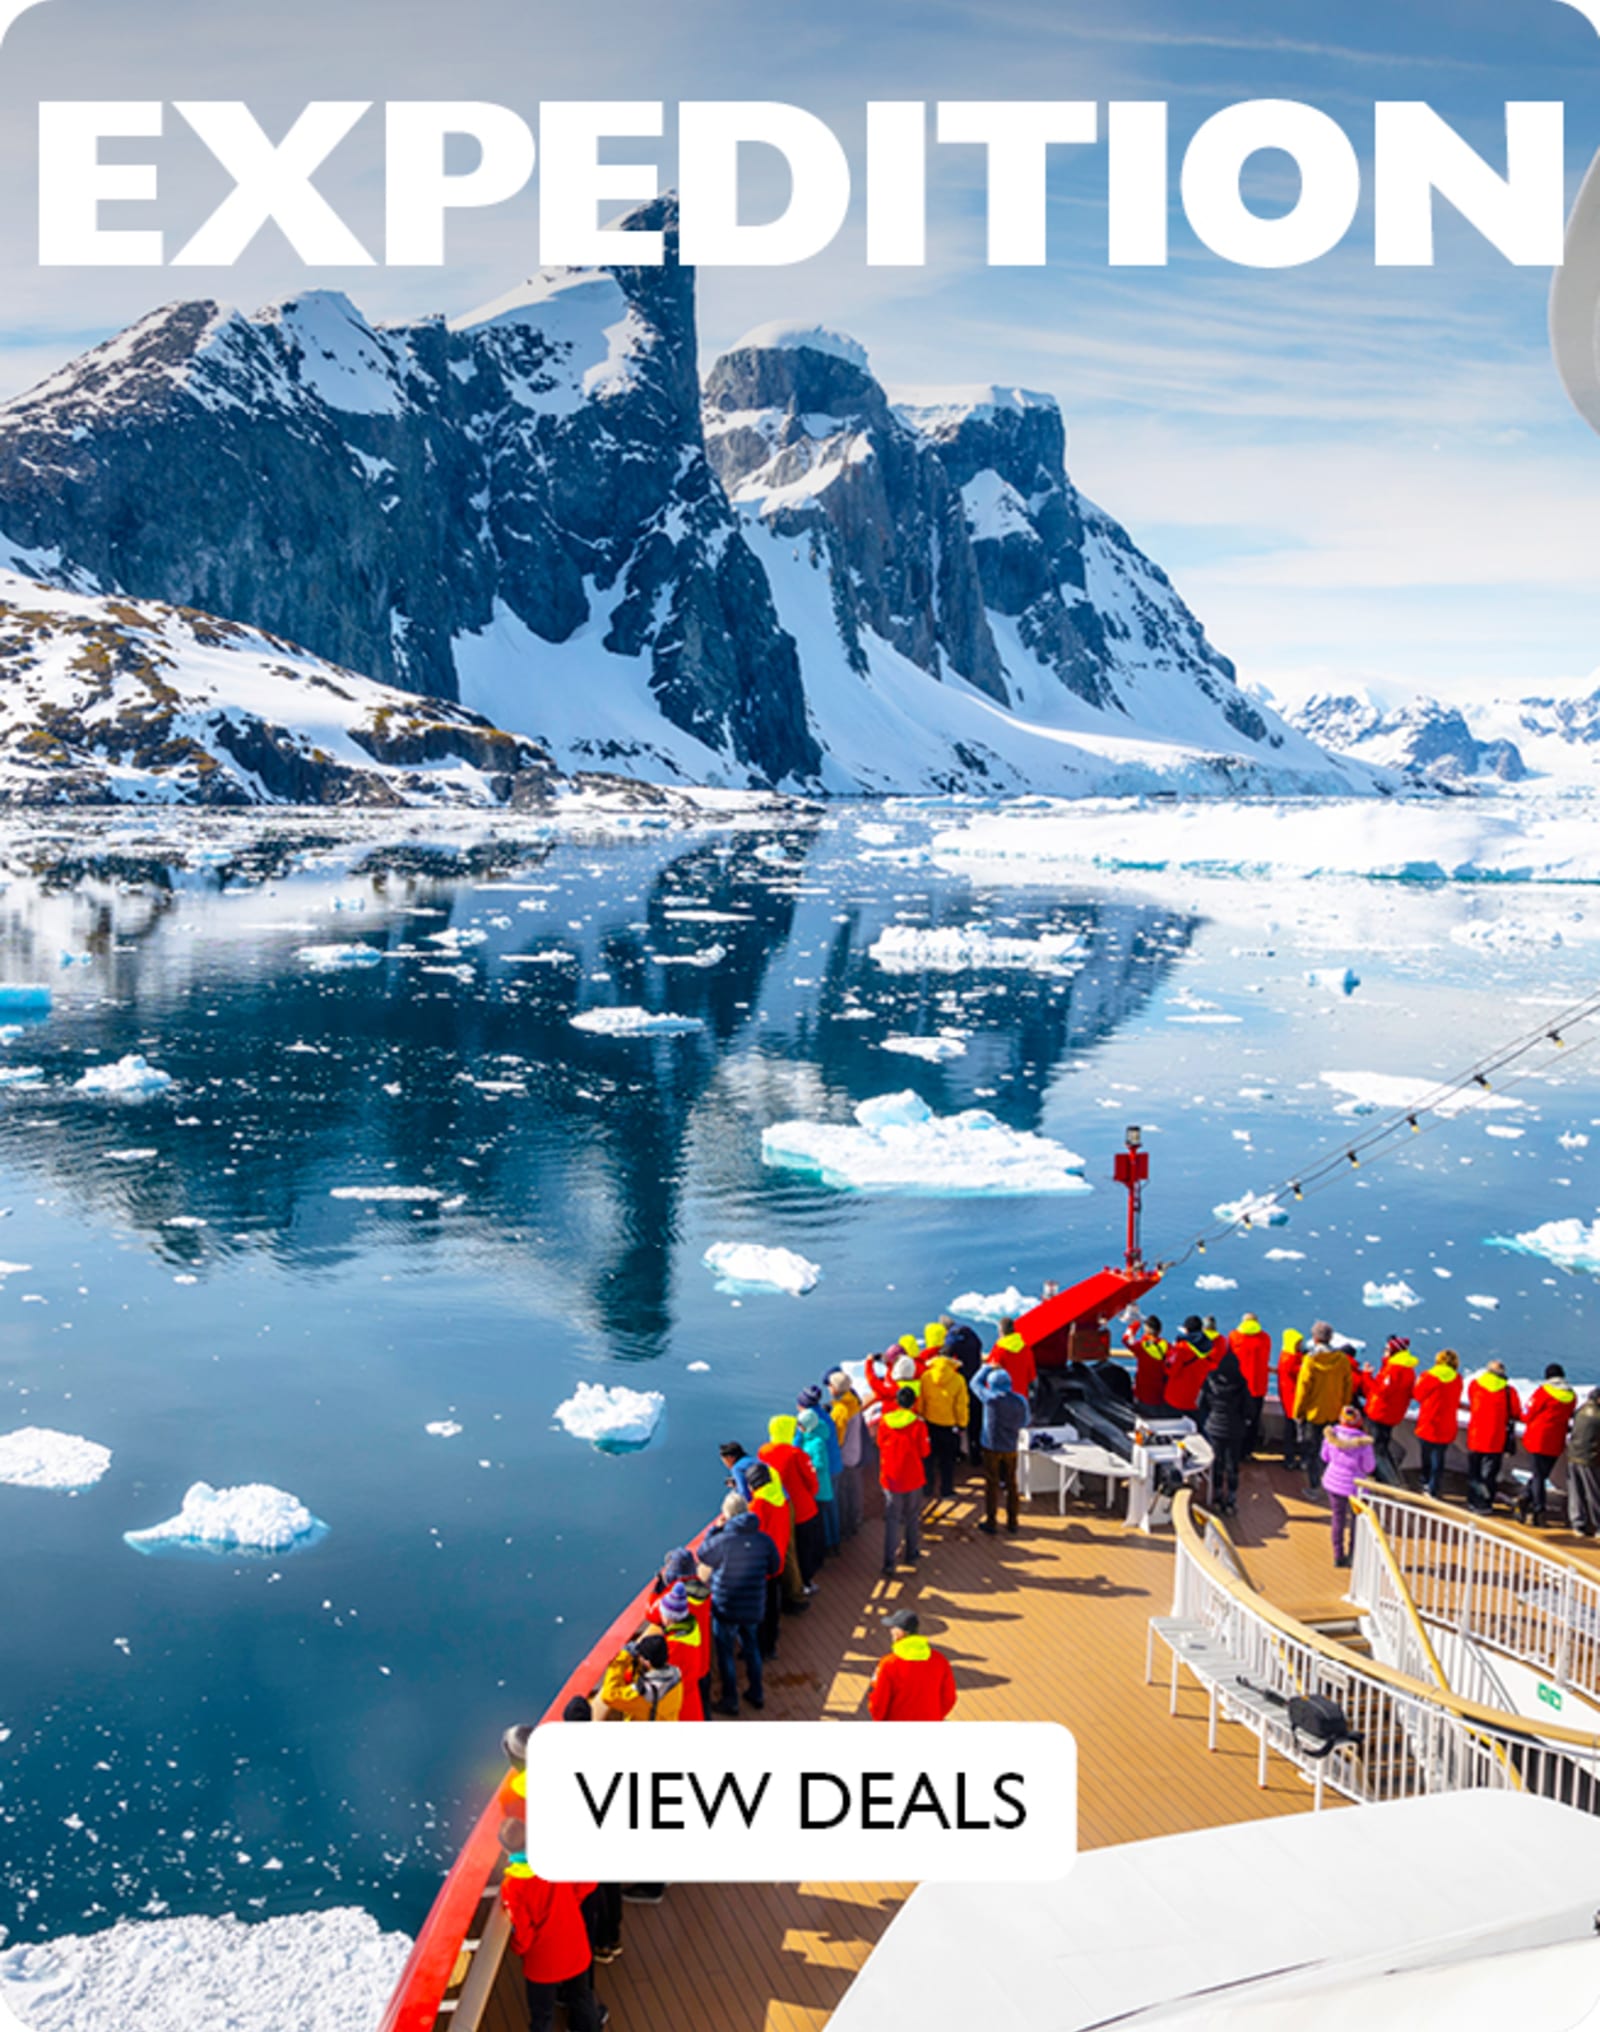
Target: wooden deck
1050,1624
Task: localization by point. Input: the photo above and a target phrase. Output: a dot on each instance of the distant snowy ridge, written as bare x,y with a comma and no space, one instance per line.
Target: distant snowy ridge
1465,744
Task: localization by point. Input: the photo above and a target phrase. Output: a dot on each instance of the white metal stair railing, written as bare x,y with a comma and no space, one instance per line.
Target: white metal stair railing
1413,1741
1495,1591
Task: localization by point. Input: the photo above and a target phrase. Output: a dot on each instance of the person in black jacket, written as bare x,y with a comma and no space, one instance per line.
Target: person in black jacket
738,1559
965,1349
1223,1415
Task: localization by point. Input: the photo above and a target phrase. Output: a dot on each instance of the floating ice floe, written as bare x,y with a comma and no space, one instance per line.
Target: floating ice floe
31,997
709,956
390,1195
319,1971
30,1076
1374,1093
1572,1139
1212,1282
132,1078
330,959
35,1457
747,1266
1570,1244
1286,1255
898,1144
443,1428
253,1517
954,949
1261,1210
993,1305
1337,980
138,1156
936,1050
614,1419
1394,1297
699,1368
1505,1130
635,1023
1480,1301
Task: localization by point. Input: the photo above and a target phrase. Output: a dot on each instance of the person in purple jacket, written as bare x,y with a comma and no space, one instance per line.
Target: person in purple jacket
1348,1457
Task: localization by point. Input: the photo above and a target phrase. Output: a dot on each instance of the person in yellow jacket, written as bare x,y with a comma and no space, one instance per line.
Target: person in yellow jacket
1321,1391
945,1408
642,1684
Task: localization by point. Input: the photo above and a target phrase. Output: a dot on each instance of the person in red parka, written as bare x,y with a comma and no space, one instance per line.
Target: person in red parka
1251,1342
902,1474
1290,1356
913,1682
792,1464
552,1941
1549,1420
1193,1358
1144,1342
1014,1355
1493,1413
1388,1401
1438,1395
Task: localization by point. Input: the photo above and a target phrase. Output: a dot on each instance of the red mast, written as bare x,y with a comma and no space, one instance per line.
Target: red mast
1132,1169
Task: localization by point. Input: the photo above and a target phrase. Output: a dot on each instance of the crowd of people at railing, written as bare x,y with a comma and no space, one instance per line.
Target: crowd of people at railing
715,1611
1342,1418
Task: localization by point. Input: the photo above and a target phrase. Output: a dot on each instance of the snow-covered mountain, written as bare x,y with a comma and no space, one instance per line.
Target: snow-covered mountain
517,510
1478,743
113,700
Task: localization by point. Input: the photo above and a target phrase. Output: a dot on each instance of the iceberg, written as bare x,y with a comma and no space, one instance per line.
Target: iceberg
635,1023
993,1305
954,949
1569,1244
1393,1297
613,1419
1212,1282
335,958
1337,980
747,1266
132,1078
253,1517
317,1971
1261,1210
898,1144
35,1457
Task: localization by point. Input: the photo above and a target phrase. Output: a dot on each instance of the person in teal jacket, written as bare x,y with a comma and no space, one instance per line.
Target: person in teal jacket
821,1442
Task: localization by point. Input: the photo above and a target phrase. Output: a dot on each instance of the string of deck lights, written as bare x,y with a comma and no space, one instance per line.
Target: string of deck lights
1368,1144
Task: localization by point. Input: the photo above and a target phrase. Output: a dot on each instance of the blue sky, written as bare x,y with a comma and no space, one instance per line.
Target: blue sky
1355,475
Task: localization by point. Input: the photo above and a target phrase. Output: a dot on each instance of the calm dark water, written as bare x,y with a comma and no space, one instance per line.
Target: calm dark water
201,1733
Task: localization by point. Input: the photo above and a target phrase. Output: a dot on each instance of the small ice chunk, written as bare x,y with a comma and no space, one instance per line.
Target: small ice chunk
1212,1282
1572,1139
956,949
27,1075
329,959
1396,1296
1286,1255
995,1305
132,1078
139,1156
35,1457
709,956
443,1428
1337,980
253,1517
747,1266
612,1418
936,1050
632,1022
28,995
409,1195
1261,1210
898,1144
699,1368
1480,1301
1504,1130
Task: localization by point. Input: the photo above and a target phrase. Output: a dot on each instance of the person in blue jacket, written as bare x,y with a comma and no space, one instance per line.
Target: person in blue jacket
821,1443
1005,1414
738,1559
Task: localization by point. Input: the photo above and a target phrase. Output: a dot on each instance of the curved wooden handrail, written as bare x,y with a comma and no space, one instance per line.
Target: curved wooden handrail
1468,1711
1495,1527
1419,1629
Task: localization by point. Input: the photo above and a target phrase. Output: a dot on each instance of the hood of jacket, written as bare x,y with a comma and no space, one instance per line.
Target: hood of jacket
781,1430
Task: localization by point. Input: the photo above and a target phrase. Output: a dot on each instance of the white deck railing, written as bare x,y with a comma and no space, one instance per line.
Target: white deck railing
1496,1589
1416,1737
